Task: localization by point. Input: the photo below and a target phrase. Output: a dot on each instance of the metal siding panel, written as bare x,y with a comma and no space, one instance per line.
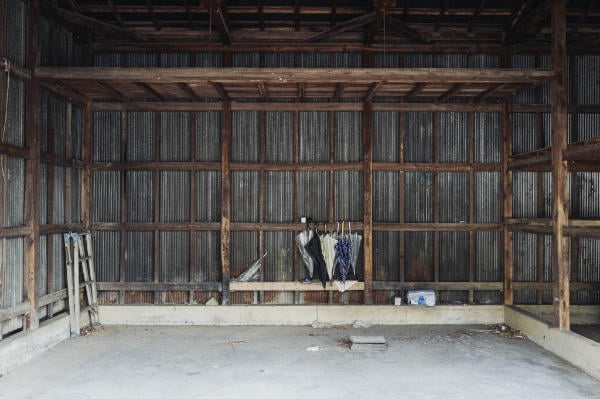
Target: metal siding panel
386,196
76,131
15,117
42,275
44,193
279,197
418,145
106,196
450,60
484,61
419,197
11,254
419,255
107,59
589,269
245,137
315,59
348,195
59,194
588,126
279,262
75,196
244,250
139,258
208,196
174,196
524,127
107,136
453,137
174,256
279,136
487,137
348,137
525,264
488,261
208,136
106,255
16,31
175,136
386,137
588,84
487,186
314,137
588,184
140,136
175,60
58,110
44,121
347,59
245,59
58,260
140,196
454,256
524,195
279,59
209,59
244,196
386,60
418,60
386,255
140,60
454,205
207,264
14,180
313,195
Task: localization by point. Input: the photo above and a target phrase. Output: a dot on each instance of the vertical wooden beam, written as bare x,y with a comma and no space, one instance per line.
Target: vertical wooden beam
507,195
574,89
560,250
436,197
539,206
261,199
156,257
123,216
298,263
50,134
192,266
32,172
368,200
471,133
86,174
401,194
225,199
331,199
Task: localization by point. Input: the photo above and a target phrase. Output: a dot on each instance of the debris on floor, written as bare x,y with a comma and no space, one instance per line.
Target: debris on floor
231,342
319,324
369,343
88,330
315,349
505,331
360,324
345,342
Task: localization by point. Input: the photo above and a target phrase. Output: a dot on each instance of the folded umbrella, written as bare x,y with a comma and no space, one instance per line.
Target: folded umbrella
343,255
302,240
356,239
314,248
328,248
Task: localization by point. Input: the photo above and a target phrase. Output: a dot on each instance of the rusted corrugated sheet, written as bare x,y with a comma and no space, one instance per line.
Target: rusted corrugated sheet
419,255
11,252
386,255
140,196
314,137
208,136
15,118
453,137
174,256
524,129
140,136
106,194
59,193
279,197
279,262
174,196
487,186
245,59
58,110
58,261
175,60
76,131
348,137
244,196
419,198
347,60
15,31
208,196
454,256
386,203
588,85
349,195
42,275
139,258
524,195
175,136
279,136
14,175
313,195
525,259
418,139
588,186
588,269
75,196
207,263
245,137
244,250
454,207
386,137
107,137
279,59
487,137
488,261
106,255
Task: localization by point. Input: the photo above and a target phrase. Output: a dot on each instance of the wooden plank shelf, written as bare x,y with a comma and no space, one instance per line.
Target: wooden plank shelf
290,286
580,156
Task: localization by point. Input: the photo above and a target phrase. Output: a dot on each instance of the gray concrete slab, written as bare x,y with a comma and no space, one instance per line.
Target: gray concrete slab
272,362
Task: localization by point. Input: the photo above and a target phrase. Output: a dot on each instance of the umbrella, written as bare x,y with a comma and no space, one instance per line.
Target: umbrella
302,240
328,248
314,248
343,254
356,239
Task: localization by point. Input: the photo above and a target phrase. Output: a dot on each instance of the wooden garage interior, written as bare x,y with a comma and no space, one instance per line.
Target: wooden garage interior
460,139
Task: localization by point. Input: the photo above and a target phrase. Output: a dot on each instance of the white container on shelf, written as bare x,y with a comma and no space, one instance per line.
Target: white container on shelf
422,298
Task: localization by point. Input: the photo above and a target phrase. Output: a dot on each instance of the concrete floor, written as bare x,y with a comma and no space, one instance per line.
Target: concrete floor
272,362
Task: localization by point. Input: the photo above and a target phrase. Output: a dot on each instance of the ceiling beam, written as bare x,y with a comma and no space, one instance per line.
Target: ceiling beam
153,14
189,91
372,90
333,15
115,93
342,27
217,16
489,92
188,12
301,91
418,88
115,13
395,25
339,89
582,18
528,19
221,91
95,25
379,7
262,91
153,93
476,15
451,92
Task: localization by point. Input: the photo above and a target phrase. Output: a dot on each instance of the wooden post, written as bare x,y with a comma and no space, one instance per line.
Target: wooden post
225,199
560,250
368,200
261,200
123,215
507,203
471,133
436,198
32,173
156,256
86,174
298,263
193,277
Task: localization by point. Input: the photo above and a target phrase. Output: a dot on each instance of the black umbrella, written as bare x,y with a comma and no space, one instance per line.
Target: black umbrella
314,249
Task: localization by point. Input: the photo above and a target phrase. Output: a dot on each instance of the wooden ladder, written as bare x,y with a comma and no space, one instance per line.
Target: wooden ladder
79,255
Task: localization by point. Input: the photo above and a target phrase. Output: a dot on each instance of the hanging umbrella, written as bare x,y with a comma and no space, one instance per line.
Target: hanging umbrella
328,248
302,239
343,254
355,239
314,248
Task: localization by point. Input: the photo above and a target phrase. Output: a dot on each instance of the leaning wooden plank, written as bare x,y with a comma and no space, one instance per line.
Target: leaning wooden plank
70,289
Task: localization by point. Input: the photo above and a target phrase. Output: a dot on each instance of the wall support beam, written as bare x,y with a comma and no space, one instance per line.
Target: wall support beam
560,251
507,195
225,199
368,201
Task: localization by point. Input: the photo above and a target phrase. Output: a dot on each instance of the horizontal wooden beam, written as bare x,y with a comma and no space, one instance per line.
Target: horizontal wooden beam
442,286
9,232
96,25
350,24
386,226
61,228
289,286
547,285
187,226
436,167
13,150
23,308
295,75
150,286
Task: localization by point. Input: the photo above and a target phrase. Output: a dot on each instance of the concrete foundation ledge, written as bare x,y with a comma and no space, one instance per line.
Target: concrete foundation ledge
579,351
297,315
